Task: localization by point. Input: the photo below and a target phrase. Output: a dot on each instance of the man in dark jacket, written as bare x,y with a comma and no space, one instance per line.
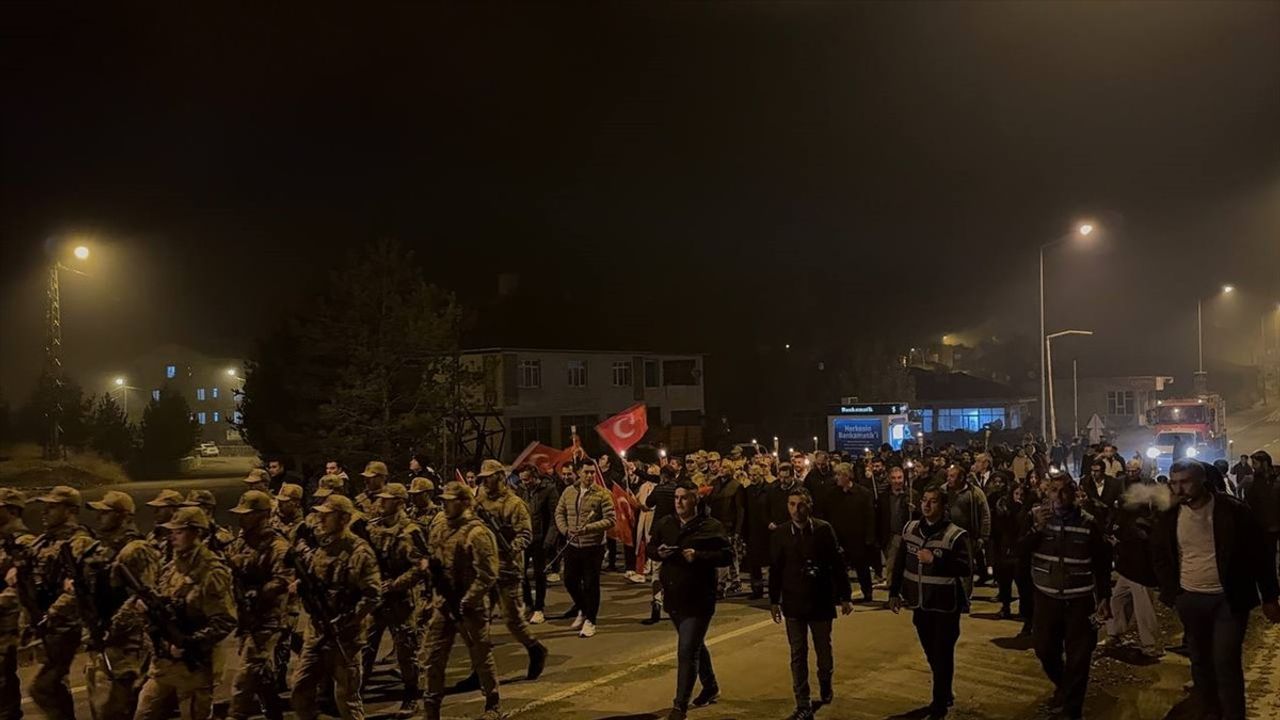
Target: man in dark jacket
1010,521
540,495
1209,558
895,510
727,503
1262,495
820,480
1132,600
757,533
692,548
807,579
1102,492
852,517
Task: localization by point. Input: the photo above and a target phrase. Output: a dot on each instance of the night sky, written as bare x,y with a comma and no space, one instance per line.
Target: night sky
709,177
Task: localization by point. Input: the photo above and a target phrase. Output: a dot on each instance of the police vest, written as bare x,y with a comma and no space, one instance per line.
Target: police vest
922,587
1062,564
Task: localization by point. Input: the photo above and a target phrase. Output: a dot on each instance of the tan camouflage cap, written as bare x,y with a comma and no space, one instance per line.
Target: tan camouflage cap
114,500
289,491
713,457
455,490
491,467
257,475
13,498
61,495
421,485
253,501
187,517
377,467
200,498
394,491
329,484
166,498
337,503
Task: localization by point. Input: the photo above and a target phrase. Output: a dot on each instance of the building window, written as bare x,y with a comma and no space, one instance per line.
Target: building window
216,416
530,374
967,419
200,394
622,374
1120,402
528,429
651,374
237,417
586,431
201,418
686,418
155,395
171,371
215,393
680,372
577,373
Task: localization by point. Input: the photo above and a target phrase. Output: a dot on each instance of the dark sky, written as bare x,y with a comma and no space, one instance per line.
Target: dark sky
727,174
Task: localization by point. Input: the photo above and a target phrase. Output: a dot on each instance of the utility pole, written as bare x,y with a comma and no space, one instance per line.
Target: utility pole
53,363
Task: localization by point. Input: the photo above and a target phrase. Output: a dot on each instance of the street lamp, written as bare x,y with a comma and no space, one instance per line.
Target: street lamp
1048,351
81,252
53,345
122,385
1082,230
1202,384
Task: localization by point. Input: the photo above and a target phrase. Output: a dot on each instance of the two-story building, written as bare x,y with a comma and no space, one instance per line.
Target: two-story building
208,383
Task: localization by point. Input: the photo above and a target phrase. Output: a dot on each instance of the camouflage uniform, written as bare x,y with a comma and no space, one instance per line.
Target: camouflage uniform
158,538
262,597
464,551
12,533
113,690
290,635
367,501
198,582
61,622
219,537
398,554
422,487
512,516
348,570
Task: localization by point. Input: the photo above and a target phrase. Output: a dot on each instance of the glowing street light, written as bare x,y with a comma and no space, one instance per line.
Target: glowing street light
81,252
1083,230
1228,289
231,372
119,382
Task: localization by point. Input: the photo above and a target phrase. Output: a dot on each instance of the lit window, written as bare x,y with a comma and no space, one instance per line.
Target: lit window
171,371
216,416
530,373
200,394
201,418
622,374
577,373
237,417
155,395
215,393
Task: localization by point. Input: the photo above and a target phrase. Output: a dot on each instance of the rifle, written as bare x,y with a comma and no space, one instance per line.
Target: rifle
29,595
450,605
246,600
166,624
86,601
504,543
312,591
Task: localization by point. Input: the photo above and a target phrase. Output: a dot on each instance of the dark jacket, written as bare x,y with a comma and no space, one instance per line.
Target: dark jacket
852,517
541,500
1238,543
1049,550
689,588
1102,506
1132,530
727,503
819,483
808,576
1010,521
757,532
949,562
662,500
892,515
779,514
1263,497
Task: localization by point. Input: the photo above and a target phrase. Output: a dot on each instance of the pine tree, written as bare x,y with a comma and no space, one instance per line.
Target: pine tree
110,434
168,434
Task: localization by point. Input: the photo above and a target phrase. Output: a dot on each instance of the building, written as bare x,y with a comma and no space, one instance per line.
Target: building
957,401
543,394
208,383
1121,402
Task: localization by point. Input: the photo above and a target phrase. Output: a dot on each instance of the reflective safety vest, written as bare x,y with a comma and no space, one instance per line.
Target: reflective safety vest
922,588
1062,564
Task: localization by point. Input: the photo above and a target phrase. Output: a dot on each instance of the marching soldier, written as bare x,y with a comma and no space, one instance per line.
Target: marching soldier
60,623
258,479
196,586
218,537
286,520
288,511
261,579
345,572
422,507
511,517
13,534
166,503
464,568
113,675
392,536
375,478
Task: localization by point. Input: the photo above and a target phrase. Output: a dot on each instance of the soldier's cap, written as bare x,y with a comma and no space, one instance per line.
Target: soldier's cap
394,491
289,491
187,517
337,503
257,475
199,498
421,485
713,457
166,498
61,495
114,500
700,454
253,501
491,467
456,490
13,498
374,468
329,484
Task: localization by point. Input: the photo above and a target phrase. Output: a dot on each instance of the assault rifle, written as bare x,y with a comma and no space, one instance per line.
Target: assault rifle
30,598
86,599
166,624
504,542
313,592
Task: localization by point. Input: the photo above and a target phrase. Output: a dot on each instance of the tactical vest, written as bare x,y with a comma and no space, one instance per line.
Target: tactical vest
1062,566
922,589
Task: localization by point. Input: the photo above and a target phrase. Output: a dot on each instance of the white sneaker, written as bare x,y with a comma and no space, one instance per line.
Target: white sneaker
553,577
634,576
537,618
578,622
588,629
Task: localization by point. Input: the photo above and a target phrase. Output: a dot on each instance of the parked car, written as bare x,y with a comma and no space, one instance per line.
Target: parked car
209,448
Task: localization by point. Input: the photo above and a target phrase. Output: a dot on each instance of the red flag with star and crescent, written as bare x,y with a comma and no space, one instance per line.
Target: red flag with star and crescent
625,429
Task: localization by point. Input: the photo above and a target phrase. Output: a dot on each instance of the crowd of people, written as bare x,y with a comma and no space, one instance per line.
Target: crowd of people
321,570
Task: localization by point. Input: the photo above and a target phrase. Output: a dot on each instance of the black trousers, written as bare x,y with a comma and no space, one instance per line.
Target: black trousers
535,563
938,632
1215,641
10,692
1065,637
582,578
861,564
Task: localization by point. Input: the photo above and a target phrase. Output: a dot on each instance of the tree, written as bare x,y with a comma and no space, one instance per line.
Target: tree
369,369
60,397
872,372
110,434
168,433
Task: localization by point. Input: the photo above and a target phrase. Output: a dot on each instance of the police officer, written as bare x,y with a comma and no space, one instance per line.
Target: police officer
511,515
932,561
256,558
422,506
347,571
464,563
396,541
112,688
60,623
1071,571
375,478
13,534
198,585
218,537
165,503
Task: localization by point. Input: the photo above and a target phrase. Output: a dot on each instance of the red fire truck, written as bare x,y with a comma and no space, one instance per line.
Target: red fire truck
1188,428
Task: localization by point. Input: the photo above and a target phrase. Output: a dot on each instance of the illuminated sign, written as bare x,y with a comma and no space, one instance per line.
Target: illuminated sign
873,409
856,434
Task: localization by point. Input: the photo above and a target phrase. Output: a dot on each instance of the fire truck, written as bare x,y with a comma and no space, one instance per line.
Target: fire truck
1188,428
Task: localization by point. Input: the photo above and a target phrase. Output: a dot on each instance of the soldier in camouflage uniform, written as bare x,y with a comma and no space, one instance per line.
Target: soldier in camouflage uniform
166,503
422,507
258,479
113,689
464,563
13,533
261,580
375,478
60,625
347,570
285,520
511,516
288,511
396,541
198,584
218,537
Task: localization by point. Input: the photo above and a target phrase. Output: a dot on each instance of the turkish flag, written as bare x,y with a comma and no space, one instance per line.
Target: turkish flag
544,457
625,429
623,510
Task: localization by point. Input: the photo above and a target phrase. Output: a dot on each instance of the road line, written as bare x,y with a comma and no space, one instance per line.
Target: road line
619,674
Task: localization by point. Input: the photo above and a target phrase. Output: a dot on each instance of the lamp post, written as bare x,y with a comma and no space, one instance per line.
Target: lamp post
1082,230
53,348
1202,379
1048,351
